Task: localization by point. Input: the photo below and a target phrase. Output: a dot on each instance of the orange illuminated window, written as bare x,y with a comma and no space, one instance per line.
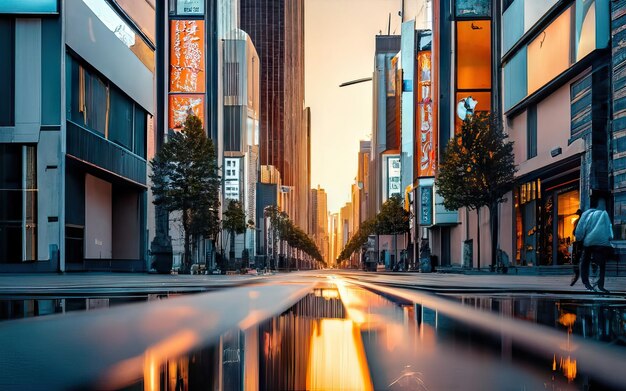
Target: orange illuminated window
549,53
484,104
473,55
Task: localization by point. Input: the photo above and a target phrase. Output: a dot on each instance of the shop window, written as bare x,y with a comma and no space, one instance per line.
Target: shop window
7,66
527,198
549,53
567,204
473,47
18,203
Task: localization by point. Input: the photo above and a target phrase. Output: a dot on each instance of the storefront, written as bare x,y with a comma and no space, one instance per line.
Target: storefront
545,213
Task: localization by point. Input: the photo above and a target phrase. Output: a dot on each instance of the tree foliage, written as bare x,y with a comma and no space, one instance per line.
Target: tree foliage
295,237
393,219
185,178
477,169
478,166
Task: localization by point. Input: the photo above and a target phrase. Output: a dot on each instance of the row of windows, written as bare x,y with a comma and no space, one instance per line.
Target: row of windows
98,105
579,30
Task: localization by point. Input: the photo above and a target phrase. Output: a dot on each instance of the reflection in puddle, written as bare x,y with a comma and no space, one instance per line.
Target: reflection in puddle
18,308
604,321
343,337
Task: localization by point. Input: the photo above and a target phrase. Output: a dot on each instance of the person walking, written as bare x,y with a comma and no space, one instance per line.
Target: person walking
594,229
577,250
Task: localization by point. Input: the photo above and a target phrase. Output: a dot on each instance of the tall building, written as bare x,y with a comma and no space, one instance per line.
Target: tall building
276,28
73,134
384,170
319,219
240,125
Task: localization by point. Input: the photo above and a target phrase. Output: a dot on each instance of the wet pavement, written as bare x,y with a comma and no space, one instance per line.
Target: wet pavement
321,332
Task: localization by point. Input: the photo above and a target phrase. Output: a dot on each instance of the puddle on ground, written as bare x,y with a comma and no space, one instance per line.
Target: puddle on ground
342,337
601,320
27,307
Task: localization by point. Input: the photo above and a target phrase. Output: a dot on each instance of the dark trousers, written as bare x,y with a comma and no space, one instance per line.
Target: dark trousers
599,254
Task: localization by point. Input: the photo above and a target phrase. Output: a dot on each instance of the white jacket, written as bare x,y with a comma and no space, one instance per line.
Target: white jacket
594,228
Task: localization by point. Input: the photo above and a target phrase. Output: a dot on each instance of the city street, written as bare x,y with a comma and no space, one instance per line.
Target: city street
375,331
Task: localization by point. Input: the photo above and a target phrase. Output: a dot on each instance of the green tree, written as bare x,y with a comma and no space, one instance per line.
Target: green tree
358,240
234,222
477,170
285,230
392,219
185,178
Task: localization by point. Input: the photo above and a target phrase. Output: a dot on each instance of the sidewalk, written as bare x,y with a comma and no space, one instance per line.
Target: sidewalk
116,283
491,283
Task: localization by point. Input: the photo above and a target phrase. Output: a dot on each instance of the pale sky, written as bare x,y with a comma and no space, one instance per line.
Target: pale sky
339,47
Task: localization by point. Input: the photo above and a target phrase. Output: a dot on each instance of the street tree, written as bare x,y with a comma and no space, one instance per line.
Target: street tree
185,178
392,219
234,223
358,240
477,170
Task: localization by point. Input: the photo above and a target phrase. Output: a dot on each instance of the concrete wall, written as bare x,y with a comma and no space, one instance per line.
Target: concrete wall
98,218
553,130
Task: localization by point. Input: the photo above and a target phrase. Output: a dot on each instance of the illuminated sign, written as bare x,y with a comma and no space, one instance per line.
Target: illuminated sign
190,7
187,69
426,205
181,106
393,176
231,179
29,7
426,137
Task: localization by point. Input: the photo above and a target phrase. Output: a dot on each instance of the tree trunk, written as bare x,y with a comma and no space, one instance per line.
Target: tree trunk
187,251
493,220
395,246
478,237
231,253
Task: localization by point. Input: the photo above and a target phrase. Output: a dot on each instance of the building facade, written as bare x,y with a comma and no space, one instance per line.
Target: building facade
73,134
276,28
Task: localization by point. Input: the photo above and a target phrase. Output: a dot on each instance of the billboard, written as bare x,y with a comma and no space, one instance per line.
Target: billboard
187,67
180,106
426,132
393,177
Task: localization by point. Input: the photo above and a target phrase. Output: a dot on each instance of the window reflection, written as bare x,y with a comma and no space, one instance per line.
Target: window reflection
122,31
549,53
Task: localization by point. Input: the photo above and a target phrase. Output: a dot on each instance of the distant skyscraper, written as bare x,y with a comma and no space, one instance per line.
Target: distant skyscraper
276,28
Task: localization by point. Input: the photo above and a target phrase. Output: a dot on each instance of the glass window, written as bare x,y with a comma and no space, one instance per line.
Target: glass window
549,53
123,31
7,65
513,19
515,79
473,8
473,55
568,203
585,28
94,100
140,132
143,14
18,203
480,100
121,123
